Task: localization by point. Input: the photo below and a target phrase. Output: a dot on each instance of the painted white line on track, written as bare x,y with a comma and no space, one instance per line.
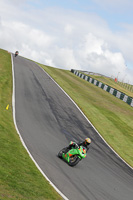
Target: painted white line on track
14,118
88,121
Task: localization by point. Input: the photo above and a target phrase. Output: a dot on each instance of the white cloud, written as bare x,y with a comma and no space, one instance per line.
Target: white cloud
66,39
68,29
94,54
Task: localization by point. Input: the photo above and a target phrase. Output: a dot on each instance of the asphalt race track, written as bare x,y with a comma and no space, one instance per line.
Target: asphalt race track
47,120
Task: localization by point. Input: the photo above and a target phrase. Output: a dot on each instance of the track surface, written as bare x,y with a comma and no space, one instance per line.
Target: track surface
47,120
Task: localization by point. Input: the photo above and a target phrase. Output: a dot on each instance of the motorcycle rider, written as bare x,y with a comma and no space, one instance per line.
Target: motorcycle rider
85,144
16,53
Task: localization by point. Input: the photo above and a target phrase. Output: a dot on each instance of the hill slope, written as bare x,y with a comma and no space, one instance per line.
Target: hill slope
110,116
19,178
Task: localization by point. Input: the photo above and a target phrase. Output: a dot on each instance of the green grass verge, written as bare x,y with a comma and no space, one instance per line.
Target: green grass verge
112,117
19,177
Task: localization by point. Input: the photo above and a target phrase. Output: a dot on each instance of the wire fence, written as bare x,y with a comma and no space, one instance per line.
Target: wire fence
126,86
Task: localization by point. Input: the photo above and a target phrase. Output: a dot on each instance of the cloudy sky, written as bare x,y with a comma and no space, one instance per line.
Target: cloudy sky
92,35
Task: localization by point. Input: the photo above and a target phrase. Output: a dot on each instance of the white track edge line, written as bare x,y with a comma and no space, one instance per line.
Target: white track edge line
14,118
88,120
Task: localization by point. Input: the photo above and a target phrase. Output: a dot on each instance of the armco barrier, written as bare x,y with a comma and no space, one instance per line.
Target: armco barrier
107,88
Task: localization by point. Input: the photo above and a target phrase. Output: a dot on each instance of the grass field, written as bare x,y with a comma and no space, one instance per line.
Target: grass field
112,117
19,177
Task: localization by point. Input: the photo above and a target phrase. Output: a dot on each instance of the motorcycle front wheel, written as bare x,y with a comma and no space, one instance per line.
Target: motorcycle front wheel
74,160
61,152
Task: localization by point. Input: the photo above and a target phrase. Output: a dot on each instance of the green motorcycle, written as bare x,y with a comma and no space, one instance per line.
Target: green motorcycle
73,156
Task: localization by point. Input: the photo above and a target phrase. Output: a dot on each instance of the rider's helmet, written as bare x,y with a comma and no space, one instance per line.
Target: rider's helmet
87,141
